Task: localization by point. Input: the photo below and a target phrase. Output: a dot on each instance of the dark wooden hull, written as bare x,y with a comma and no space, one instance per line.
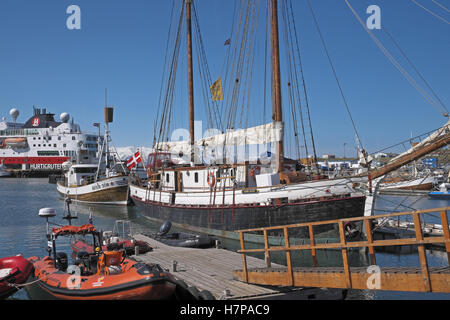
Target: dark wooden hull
223,221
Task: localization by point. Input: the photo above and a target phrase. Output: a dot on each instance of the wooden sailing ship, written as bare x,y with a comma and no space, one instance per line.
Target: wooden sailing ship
221,198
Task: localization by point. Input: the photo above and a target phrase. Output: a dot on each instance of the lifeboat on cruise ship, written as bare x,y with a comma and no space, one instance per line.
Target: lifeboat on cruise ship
13,271
16,142
100,275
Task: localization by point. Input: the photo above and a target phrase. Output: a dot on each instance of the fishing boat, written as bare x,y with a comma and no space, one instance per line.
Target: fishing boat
14,271
223,194
101,275
103,183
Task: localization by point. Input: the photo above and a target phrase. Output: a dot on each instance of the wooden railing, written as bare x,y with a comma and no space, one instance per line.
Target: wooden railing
344,245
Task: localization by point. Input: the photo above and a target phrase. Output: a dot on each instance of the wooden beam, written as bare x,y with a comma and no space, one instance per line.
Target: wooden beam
444,223
421,251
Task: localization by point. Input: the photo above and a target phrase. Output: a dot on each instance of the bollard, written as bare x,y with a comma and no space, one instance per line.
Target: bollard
136,250
174,266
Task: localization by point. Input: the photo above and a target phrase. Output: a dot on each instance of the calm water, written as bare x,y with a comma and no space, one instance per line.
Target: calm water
23,231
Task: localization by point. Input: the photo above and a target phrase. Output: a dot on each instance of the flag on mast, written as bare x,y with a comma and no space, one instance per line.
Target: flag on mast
216,90
134,160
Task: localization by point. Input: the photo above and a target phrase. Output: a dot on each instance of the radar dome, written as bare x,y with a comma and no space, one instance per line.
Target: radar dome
14,113
64,117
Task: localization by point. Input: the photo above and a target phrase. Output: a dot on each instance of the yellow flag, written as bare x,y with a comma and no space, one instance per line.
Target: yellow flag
216,90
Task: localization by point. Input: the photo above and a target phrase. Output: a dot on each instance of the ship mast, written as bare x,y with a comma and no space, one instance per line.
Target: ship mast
190,77
276,82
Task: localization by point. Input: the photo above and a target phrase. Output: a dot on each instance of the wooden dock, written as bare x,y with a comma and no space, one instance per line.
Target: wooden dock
212,269
408,278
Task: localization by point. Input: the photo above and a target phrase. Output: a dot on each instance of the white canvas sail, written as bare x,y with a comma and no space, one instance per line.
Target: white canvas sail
263,134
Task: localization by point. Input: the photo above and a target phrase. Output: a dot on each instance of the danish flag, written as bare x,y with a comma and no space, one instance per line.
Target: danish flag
134,160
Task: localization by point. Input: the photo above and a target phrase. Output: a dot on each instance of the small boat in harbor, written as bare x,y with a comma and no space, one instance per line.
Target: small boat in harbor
13,271
100,275
114,240
3,171
181,239
102,183
425,183
443,192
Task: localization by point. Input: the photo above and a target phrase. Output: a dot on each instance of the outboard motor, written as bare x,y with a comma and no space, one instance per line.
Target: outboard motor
61,261
165,228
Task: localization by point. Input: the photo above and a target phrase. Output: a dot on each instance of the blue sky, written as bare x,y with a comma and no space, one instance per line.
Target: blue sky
121,46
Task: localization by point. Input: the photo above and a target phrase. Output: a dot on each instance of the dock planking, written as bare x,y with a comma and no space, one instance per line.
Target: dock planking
209,269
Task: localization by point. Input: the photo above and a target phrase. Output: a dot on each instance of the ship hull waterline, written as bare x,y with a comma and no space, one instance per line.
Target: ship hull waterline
114,195
224,221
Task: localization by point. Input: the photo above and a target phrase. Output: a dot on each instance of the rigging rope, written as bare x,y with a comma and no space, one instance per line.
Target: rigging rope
395,63
440,5
334,71
431,12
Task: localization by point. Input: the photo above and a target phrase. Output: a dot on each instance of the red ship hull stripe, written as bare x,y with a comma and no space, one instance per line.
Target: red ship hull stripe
34,160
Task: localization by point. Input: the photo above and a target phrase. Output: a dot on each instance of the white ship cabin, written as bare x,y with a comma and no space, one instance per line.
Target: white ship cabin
173,175
80,174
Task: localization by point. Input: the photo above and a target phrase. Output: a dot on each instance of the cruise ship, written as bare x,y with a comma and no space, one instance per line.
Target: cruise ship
41,145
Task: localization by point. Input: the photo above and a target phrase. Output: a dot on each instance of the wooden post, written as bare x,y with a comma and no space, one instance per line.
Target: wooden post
421,251
312,243
373,261
244,259
288,256
348,280
444,223
266,247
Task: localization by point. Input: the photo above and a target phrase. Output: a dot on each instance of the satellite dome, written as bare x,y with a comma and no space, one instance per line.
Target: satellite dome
14,113
47,212
64,117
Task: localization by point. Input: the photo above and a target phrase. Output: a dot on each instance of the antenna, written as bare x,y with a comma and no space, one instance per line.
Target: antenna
48,213
68,216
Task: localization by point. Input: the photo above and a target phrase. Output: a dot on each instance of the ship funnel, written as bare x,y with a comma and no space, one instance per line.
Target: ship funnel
109,111
14,113
64,117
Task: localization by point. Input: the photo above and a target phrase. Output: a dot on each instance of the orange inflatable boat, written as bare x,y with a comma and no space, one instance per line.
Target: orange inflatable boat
99,275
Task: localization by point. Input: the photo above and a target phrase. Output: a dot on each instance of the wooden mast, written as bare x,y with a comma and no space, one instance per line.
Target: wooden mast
190,76
276,81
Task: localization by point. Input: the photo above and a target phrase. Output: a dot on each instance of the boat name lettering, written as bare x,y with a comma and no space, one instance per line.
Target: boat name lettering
100,186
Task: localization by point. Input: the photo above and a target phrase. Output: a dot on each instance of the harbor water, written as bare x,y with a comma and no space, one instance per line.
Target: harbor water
22,231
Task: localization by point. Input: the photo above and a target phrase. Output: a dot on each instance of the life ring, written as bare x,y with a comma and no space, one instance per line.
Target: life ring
211,179
253,172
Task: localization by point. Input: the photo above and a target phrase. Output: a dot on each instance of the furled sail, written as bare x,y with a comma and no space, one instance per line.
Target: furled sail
266,133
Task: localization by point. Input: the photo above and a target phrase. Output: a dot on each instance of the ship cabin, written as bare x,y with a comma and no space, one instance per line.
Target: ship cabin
81,174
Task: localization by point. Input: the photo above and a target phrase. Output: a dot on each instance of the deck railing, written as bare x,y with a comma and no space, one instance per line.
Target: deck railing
344,245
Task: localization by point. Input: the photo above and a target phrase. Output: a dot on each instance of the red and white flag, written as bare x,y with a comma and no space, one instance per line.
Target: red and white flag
134,160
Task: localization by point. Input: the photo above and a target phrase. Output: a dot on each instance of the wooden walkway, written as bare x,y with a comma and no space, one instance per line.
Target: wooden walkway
419,279
208,269
393,279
